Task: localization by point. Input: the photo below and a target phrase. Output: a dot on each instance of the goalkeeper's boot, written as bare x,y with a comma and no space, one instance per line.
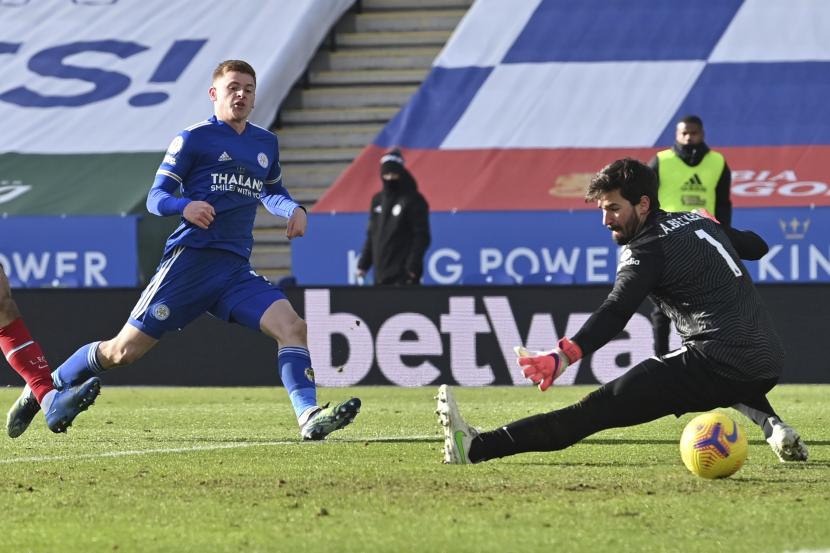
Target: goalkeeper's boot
330,418
22,412
458,435
786,443
70,402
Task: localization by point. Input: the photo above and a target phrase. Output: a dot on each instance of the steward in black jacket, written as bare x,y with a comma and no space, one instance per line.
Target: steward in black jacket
398,233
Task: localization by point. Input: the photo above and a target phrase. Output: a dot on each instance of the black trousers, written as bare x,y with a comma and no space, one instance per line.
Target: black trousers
400,279
682,382
661,326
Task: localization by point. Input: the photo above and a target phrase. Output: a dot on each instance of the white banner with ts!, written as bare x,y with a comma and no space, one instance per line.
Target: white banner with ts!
99,76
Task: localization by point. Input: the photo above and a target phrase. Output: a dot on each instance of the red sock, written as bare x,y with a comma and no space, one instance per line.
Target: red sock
26,357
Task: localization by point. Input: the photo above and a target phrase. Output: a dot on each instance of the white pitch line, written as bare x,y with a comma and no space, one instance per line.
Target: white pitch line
132,452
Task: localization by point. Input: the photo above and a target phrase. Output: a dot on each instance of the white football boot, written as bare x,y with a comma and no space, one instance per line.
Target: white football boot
458,435
786,442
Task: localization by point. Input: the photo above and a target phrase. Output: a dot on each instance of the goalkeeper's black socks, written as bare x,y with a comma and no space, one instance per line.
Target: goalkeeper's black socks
546,432
492,445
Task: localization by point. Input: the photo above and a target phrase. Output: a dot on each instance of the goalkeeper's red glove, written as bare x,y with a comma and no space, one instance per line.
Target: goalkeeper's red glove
543,367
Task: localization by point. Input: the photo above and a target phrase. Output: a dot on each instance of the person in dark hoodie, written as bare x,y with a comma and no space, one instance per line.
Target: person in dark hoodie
691,177
398,233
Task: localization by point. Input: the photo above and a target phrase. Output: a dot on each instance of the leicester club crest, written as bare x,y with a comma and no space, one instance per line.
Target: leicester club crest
161,311
175,146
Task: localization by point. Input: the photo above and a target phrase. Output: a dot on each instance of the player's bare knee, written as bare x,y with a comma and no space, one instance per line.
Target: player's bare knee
130,355
112,354
294,332
299,331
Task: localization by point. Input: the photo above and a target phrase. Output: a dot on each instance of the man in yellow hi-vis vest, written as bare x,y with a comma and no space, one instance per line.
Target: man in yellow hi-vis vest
691,176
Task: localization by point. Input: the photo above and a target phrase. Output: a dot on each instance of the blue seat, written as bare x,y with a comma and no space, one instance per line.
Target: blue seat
289,281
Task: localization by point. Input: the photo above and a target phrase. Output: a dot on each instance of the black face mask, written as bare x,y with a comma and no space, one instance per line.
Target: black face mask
689,150
392,185
691,154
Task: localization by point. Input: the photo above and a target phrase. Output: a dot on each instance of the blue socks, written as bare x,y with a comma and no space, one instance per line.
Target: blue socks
297,377
80,367
294,363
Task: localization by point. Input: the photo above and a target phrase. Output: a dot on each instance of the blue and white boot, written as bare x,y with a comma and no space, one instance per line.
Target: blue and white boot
70,402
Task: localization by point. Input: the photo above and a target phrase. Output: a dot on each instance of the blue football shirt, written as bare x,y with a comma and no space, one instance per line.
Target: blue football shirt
233,172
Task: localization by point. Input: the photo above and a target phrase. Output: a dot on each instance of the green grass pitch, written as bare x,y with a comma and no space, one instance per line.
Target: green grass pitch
211,470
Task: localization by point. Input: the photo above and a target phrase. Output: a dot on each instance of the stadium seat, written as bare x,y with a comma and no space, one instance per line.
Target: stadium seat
289,281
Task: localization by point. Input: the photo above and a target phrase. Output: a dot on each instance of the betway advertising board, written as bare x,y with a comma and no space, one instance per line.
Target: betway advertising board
573,247
458,335
419,336
413,336
69,252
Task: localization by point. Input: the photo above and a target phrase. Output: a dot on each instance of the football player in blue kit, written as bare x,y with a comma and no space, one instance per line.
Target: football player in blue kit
223,167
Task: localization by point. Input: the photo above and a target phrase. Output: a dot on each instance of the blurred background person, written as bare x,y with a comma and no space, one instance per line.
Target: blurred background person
691,176
398,234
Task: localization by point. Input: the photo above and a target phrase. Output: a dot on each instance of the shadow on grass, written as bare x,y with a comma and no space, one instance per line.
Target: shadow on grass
291,440
396,440
651,441
639,463
598,464
430,439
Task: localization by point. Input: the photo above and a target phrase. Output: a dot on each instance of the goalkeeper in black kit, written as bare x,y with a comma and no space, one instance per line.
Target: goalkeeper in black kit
691,267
